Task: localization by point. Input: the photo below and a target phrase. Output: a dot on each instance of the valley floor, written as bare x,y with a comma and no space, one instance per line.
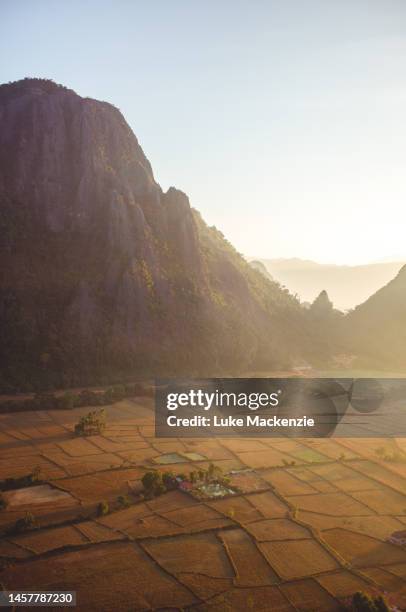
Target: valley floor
308,530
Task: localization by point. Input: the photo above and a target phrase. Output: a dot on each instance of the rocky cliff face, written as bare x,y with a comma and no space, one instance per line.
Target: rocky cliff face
103,274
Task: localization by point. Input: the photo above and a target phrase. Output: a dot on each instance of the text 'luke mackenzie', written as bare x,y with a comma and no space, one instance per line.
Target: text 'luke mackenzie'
244,421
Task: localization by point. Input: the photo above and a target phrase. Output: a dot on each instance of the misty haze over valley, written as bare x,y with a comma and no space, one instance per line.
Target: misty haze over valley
347,286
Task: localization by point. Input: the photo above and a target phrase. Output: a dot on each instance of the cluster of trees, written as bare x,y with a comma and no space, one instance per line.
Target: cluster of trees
76,399
122,502
47,85
91,424
364,603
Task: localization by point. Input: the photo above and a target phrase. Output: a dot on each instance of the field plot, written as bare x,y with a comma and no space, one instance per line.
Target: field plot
379,527
200,517
269,530
248,481
237,508
205,587
343,583
303,473
298,559
306,526
268,504
363,551
107,576
171,501
385,579
334,472
50,539
139,520
8,550
132,442
334,504
212,449
74,466
94,532
309,455
383,474
22,464
332,449
287,483
243,445
250,566
344,478
94,487
383,501
266,599
199,554
39,494
309,595
125,520
322,486
398,569
80,447
263,458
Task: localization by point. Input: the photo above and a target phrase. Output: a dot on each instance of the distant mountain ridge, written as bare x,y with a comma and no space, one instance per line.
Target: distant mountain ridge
104,274
347,286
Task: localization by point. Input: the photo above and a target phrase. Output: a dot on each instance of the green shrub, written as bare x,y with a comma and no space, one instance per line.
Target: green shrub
214,473
362,602
159,488
153,483
35,475
92,423
103,508
169,480
123,501
25,523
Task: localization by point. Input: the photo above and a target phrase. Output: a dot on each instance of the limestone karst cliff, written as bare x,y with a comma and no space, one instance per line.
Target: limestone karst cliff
103,274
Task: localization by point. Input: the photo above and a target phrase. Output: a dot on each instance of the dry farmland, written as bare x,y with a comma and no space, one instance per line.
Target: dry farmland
307,528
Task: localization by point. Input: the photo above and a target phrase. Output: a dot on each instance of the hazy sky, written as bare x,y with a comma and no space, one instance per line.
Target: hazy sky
284,121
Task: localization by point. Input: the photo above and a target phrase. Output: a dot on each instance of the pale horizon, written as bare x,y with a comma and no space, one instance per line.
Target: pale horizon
385,260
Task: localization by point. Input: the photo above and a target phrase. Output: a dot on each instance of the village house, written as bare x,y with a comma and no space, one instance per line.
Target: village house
398,538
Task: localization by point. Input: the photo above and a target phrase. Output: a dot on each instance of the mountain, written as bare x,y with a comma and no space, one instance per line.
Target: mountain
322,305
347,286
258,265
103,274
376,330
